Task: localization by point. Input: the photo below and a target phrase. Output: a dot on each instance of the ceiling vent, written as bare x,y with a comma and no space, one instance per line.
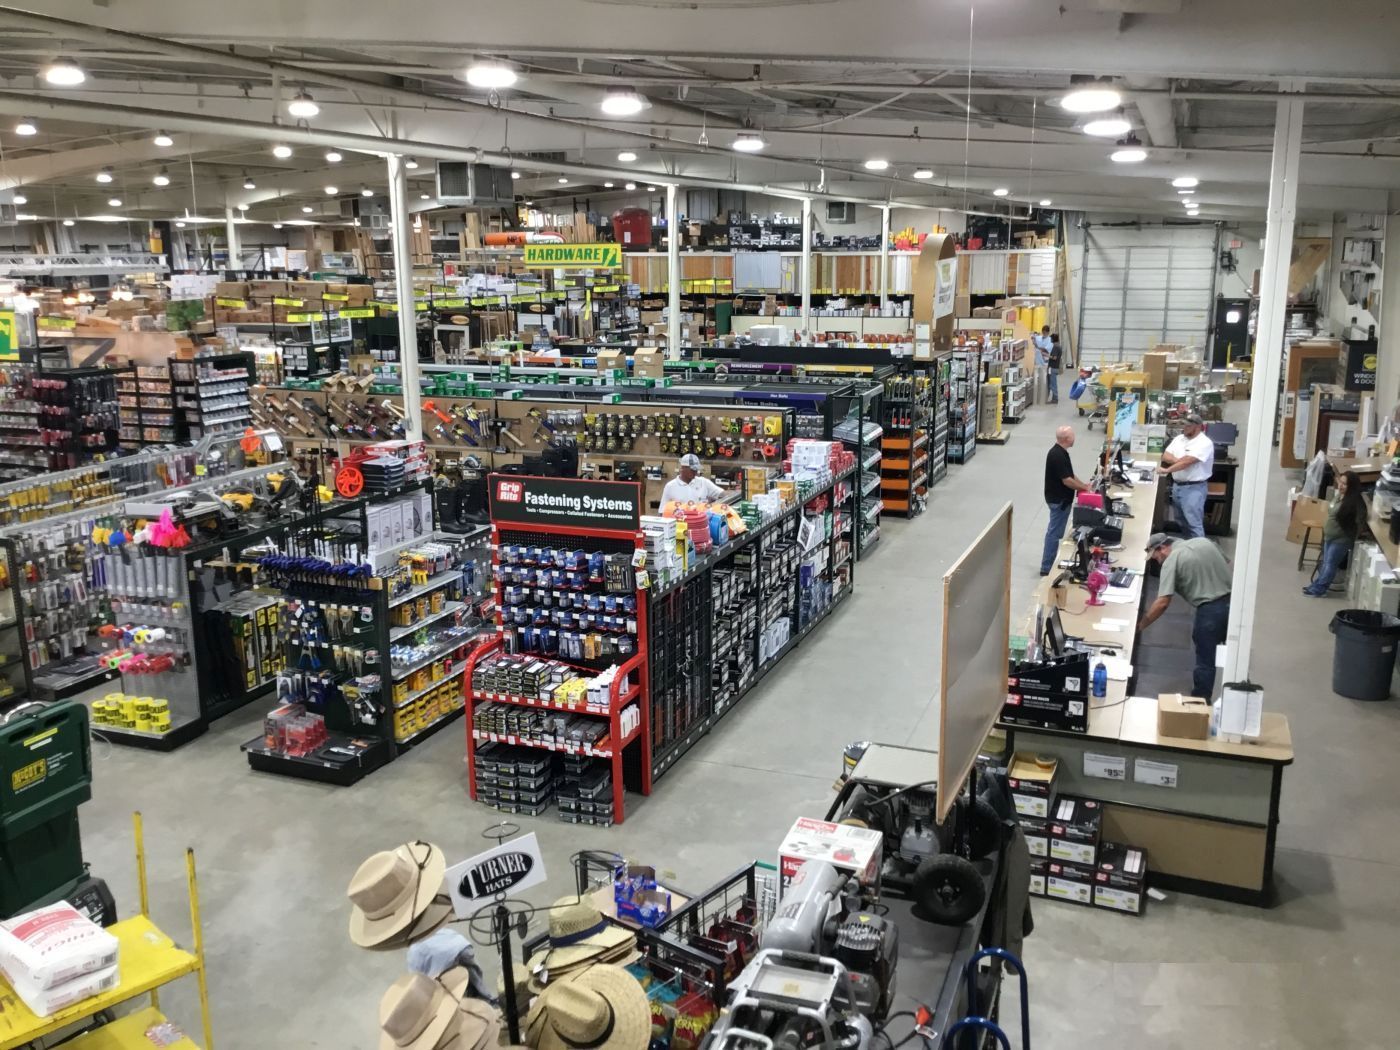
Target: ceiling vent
474,185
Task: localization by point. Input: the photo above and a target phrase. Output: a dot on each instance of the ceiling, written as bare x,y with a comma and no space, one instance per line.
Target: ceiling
969,91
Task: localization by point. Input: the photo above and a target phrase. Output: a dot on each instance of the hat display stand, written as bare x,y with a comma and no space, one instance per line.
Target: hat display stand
492,924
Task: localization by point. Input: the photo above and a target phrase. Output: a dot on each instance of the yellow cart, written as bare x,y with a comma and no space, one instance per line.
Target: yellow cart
147,959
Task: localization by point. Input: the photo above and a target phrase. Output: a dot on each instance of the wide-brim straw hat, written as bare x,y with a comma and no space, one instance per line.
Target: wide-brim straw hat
578,933
392,890
600,1006
419,1013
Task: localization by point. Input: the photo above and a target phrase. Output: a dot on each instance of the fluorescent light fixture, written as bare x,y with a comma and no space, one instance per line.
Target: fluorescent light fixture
303,105
64,72
607,185
1108,127
334,157
626,156
491,75
105,175
68,222
410,164
161,178
115,202
276,225
515,176
748,142
651,189
365,191
876,164
281,151
1001,191
1046,202
331,191
163,140
1091,96
26,126
563,181
1186,182
1185,193
623,102
923,173
630,186
20,198
307,209
181,225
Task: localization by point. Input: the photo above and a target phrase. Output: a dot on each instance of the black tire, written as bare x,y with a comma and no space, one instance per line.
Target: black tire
985,832
947,890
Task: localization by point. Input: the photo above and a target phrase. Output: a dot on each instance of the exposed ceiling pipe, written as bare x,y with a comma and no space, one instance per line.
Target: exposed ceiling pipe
1158,113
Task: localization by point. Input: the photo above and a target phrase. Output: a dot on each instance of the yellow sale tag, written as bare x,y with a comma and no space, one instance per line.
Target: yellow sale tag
279,301
232,304
331,298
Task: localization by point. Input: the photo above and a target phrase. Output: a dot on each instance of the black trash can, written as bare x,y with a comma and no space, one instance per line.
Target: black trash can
1364,658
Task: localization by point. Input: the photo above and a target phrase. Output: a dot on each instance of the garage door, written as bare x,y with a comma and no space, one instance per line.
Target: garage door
1143,287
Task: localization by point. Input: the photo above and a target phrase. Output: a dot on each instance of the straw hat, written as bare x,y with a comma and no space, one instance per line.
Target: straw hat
392,890
419,1013
600,1007
578,933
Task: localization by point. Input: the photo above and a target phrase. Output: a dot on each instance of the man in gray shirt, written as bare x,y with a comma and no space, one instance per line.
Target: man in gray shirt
1198,571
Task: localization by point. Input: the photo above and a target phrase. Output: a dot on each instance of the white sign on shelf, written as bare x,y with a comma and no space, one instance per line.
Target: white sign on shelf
1155,774
1105,767
945,288
510,868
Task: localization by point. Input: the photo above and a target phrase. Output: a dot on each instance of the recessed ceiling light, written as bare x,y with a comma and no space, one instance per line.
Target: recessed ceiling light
181,225
365,191
607,185
876,164
410,164
163,140
1108,127
276,225
303,105
64,72
651,189
627,156
331,191
307,209
563,181
115,202
1001,191
334,157
492,75
1185,193
161,178
20,198
748,142
923,173
630,186
1092,96
623,102
1046,203
68,222
515,176
1186,182
248,183
105,175
281,151
26,126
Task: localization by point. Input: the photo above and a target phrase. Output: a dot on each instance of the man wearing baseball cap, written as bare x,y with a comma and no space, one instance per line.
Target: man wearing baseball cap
1198,571
691,486
1189,461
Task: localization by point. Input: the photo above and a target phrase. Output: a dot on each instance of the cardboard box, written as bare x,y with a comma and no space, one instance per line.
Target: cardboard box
650,364
852,849
1032,784
1038,869
1183,717
1075,825
266,289
1171,376
231,290
1120,878
1307,511
1037,832
1067,881
1155,365
610,359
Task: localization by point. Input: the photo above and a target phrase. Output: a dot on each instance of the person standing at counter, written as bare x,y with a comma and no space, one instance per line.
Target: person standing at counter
1198,571
1189,461
689,485
1344,520
1060,487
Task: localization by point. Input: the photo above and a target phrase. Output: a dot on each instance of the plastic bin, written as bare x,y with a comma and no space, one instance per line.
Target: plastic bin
1363,660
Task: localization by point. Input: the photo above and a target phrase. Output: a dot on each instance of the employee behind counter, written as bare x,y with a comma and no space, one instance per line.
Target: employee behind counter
690,486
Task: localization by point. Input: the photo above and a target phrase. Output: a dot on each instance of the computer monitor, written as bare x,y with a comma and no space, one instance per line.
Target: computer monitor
1055,641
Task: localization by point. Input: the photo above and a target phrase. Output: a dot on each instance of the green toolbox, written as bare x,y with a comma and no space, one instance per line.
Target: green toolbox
45,774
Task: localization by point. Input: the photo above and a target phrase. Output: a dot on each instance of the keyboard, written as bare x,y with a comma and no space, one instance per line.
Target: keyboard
1120,578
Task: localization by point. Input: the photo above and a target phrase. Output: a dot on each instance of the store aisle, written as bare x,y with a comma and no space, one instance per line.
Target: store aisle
276,855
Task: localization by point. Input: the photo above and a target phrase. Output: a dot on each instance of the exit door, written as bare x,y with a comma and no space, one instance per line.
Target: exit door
1230,333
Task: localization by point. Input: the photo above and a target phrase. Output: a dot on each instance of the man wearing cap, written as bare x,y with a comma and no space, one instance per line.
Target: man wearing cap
1198,571
691,486
1045,351
1189,461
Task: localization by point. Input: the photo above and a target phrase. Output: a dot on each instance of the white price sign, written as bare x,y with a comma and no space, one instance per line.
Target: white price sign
1105,767
1155,774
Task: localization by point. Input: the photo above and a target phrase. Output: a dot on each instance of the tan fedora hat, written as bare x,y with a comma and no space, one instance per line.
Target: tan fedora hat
391,890
482,1028
577,933
602,1007
419,1013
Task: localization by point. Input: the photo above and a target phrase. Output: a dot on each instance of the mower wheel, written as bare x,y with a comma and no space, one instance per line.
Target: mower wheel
947,890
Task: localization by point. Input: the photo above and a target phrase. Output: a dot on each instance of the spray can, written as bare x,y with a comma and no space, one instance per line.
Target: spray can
1100,679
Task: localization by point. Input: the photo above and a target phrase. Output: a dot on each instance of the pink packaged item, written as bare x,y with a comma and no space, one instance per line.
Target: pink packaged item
49,946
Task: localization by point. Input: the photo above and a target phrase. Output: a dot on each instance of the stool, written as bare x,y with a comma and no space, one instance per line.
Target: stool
1307,542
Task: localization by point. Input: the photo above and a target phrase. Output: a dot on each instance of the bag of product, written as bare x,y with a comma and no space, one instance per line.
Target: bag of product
53,945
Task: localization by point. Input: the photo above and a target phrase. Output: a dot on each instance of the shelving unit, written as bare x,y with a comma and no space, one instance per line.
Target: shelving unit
57,419
211,393
146,399
909,412
965,369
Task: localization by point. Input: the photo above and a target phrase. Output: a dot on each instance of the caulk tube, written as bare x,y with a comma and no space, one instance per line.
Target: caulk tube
143,574
118,569
167,574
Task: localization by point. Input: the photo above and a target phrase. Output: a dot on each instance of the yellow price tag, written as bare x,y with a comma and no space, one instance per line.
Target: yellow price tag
279,301
355,312
232,304
330,297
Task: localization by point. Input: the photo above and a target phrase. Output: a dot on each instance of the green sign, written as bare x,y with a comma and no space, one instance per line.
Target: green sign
9,350
573,256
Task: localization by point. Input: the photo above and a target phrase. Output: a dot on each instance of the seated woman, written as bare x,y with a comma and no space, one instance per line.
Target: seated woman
1345,517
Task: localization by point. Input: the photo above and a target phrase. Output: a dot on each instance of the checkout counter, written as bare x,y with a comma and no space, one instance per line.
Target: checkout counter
1206,811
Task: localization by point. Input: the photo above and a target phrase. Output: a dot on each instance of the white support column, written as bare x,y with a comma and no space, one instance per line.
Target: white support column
884,257
673,276
403,284
235,260
1388,335
807,265
1268,359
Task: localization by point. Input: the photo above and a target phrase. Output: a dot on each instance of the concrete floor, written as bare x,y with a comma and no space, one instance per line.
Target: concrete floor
275,855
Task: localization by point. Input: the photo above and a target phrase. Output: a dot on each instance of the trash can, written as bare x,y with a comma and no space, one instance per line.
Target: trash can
1364,658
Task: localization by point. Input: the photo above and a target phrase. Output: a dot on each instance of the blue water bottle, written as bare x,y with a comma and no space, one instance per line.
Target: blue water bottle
1100,679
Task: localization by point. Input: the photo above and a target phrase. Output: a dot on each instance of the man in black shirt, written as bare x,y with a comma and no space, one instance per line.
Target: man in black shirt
1060,487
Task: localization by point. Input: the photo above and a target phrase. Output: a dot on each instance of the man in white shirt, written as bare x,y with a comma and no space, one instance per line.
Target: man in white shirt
691,486
1189,460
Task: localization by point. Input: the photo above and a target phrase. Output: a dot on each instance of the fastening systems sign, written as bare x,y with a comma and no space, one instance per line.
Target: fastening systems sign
573,256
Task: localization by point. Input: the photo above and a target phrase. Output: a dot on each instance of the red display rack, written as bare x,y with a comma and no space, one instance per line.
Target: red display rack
513,523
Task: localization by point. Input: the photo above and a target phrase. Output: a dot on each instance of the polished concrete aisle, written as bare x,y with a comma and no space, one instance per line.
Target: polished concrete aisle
275,855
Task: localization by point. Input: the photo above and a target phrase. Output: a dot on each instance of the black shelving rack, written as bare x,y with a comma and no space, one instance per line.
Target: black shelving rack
211,392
